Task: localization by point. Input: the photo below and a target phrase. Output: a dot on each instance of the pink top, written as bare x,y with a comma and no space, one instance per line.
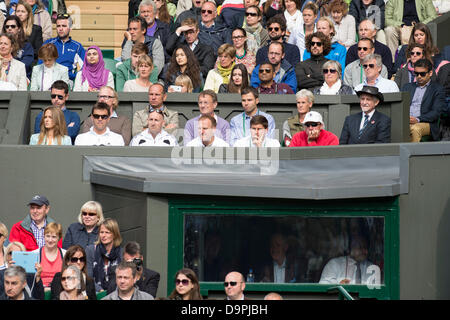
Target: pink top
49,268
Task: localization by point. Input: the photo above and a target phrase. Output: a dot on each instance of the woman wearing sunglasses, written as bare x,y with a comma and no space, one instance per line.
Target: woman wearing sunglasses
75,257
85,231
333,85
405,74
257,35
187,286
53,130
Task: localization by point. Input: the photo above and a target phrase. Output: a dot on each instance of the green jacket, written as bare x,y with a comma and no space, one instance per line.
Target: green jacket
394,12
124,73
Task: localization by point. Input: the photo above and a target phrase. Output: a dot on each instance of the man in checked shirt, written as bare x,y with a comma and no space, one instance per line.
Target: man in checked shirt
30,231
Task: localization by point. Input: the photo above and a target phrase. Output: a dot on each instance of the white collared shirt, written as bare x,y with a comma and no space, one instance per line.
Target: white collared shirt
362,118
248,142
162,139
197,142
91,138
279,272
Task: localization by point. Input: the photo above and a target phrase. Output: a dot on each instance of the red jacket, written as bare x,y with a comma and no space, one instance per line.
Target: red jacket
326,138
21,231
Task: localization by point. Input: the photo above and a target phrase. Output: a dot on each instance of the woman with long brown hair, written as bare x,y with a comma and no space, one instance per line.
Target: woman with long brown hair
187,286
53,129
238,80
179,65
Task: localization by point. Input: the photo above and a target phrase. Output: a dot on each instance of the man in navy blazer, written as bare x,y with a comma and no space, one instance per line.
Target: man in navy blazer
427,102
368,126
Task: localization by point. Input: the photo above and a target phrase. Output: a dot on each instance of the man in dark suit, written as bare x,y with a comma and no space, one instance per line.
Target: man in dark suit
368,126
427,102
148,280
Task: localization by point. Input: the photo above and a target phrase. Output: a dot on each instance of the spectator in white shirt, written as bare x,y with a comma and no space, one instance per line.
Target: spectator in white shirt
154,135
99,134
206,134
258,134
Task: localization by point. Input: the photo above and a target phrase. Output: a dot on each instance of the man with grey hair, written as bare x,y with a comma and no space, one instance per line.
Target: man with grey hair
354,73
126,277
372,65
15,281
367,29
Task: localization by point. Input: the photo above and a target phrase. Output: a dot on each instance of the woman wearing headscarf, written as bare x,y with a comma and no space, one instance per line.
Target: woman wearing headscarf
93,75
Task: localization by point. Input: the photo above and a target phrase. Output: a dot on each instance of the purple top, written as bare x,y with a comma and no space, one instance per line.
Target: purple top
191,129
151,30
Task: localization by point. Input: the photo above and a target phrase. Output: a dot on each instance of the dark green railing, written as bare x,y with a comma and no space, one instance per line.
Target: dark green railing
343,294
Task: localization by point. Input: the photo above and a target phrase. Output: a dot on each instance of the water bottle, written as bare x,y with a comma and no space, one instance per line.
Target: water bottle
250,276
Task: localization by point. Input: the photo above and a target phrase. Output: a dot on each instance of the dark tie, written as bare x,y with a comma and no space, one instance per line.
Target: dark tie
366,121
358,273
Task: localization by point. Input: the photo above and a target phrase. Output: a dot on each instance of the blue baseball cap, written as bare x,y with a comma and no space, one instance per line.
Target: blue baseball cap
39,200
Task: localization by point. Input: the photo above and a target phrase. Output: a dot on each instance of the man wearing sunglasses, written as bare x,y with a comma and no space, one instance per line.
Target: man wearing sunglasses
276,26
283,71
99,134
234,286
368,126
211,30
30,231
59,93
314,134
354,72
372,65
267,85
427,102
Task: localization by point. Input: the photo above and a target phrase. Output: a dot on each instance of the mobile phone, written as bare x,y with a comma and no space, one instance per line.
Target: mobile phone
176,88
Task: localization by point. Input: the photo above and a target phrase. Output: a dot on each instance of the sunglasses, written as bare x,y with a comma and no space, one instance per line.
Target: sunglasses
237,37
90,214
98,116
252,14
325,71
231,283
363,48
64,15
68,278
311,124
319,44
416,53
105,97
184,282
207,11
422,74
370,65
12,26
265,70
276,29
76,260
53,96
155,110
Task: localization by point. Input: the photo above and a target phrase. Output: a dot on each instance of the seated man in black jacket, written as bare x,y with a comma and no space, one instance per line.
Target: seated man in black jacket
148,280
188,34
309,72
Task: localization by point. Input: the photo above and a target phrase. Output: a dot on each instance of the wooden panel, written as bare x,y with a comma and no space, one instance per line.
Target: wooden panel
97,7
98,22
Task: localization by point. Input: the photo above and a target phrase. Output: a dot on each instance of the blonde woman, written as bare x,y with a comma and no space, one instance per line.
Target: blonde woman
3,237
105,254
85,231
53,129
41,18
33,32
144,68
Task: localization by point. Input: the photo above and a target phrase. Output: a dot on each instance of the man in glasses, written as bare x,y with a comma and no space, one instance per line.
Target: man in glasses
155,135
427,102
30,231
156,97
234,286
354,72
137,27
372,65
276,26
314,134
367,29
282,72
211,30
147,279
368,126
309,73
126,278
117,123
267,85
99,134
188,9
59,93
187,34
207,103
70,52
